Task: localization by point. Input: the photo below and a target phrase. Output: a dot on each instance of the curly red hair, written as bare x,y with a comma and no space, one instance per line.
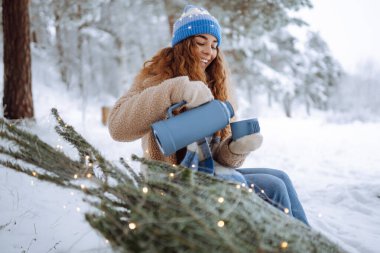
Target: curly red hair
181,60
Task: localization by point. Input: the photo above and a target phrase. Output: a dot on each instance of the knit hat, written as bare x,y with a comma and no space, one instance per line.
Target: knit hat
195,20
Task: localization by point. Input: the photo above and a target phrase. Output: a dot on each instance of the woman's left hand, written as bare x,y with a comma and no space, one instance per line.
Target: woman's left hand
246,144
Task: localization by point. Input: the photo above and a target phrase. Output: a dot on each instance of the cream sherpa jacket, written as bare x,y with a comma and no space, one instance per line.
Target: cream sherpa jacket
147,102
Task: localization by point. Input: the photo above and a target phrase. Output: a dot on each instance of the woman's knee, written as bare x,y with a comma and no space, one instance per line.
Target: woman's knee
280,174
272,185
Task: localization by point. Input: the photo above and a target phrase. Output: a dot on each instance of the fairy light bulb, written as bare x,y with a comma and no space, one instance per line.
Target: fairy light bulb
220,199
221,223
34,173
171,175
89,175
238,186
286,210
250,190
75,176
243,184
284,245
82,186
132,225
262,191
145,190
78,209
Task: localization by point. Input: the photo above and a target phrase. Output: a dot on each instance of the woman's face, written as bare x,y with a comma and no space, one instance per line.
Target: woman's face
206,49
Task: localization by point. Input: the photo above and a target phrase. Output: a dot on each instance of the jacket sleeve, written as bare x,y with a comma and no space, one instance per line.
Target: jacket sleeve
134,113
223,155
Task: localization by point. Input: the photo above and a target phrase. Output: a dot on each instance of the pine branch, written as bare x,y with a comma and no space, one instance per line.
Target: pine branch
169,209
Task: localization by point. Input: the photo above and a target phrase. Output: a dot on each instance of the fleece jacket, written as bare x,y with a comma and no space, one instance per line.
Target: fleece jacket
147,102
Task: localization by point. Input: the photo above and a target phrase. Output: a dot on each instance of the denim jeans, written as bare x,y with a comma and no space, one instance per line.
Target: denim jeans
276,185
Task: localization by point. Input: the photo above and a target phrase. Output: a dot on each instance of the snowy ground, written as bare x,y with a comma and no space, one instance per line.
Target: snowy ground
335,168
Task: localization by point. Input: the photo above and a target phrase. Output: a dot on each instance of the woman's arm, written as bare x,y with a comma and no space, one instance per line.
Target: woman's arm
135,112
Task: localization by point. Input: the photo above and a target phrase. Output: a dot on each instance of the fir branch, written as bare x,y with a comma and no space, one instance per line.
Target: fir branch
170,209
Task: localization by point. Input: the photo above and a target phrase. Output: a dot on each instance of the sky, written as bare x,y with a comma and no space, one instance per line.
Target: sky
351,29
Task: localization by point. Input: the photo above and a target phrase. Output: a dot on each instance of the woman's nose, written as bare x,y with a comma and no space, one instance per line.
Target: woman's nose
207,50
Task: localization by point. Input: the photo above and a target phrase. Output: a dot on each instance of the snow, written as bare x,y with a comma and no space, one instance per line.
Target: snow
335,168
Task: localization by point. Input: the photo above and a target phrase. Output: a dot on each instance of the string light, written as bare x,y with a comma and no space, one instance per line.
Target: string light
220,199
34,173
82,186
243,184
284,244
89,175
262,191
75,176
78,209
174,165
286,210
238,186
252,186
87,157
221,223
171,175
132,226
145,189
250,190
89,164
106,241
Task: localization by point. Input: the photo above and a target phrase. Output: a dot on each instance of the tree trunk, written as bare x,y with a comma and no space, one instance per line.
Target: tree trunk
287,103
17,100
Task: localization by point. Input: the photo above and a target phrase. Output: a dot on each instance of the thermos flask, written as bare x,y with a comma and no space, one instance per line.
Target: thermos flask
178,131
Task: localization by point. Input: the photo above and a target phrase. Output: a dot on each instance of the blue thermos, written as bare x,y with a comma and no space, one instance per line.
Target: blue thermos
178,131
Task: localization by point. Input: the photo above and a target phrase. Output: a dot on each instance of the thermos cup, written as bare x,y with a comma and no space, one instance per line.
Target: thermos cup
244,127
190,126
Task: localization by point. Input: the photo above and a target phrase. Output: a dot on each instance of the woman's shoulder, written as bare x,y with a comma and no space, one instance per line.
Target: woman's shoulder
143,81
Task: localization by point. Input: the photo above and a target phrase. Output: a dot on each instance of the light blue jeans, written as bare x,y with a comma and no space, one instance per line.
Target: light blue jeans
278,188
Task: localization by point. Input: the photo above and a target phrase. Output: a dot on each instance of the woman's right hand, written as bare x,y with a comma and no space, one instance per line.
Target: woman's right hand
196,93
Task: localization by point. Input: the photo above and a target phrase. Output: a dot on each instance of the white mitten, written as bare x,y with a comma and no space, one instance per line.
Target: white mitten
246,144
196,93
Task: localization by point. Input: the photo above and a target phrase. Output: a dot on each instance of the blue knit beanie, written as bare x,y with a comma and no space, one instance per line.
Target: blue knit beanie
195,20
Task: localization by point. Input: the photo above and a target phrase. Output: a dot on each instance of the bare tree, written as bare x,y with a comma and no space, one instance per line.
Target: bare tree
17,100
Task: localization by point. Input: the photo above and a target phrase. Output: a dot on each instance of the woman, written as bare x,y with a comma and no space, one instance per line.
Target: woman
194,70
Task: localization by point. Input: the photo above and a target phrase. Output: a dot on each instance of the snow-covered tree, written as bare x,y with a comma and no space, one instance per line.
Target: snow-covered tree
98,46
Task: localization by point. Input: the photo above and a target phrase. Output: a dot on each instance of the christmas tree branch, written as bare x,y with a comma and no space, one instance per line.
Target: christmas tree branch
166,209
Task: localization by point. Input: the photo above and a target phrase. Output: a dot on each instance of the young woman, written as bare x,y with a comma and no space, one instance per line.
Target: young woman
193,69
